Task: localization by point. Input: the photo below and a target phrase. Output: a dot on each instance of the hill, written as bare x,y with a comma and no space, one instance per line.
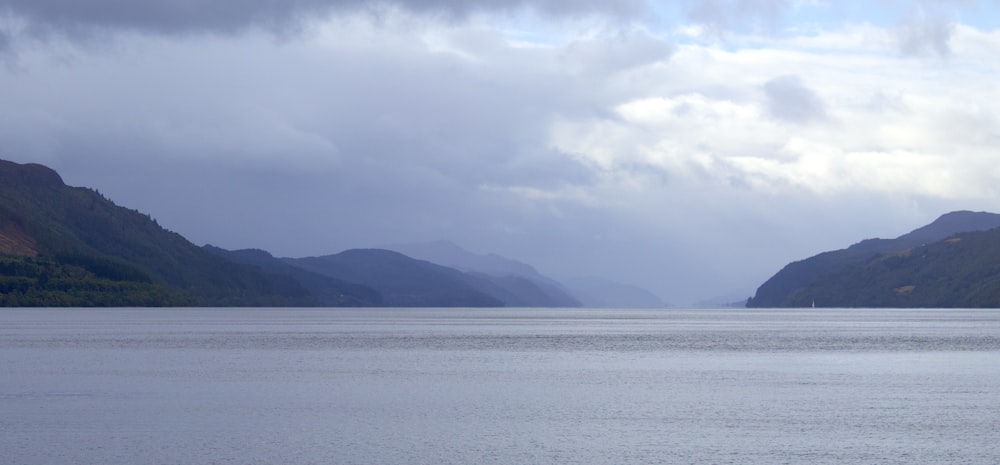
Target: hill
942,264
71,246
327,291
515,283
519,284
402,281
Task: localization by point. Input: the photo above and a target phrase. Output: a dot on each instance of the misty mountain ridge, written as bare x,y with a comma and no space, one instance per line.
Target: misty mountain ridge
918,269
403,281
524,285
448,253
594,292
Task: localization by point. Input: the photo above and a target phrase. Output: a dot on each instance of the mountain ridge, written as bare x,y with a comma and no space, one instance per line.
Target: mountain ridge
514,282
792,285
60,242
403,281
590,291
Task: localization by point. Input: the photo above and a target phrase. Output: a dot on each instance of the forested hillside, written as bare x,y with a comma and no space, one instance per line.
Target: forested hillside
71,246
952,262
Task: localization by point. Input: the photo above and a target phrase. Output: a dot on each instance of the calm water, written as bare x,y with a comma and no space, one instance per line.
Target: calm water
209,386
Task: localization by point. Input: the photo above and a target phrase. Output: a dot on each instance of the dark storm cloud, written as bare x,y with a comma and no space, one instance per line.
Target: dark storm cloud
412,141
5,41
789,100
224,16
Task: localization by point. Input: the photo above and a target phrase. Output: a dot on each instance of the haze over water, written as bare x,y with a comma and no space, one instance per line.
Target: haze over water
504,386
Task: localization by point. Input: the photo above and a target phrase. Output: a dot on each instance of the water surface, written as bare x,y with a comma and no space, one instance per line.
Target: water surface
388,386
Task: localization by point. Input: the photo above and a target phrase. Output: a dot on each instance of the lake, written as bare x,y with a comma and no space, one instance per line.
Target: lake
504,386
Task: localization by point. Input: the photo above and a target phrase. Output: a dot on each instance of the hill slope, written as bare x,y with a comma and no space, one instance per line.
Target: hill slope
326,290
961,271
65,245
515,283
881,272
520,284
402,281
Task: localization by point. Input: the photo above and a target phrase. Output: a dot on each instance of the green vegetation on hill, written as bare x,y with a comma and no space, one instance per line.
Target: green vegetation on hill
934,266
963,271
79,281
60,230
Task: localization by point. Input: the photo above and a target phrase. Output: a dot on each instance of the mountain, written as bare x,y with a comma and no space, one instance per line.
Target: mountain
919,269
449,254
515,283
727,300
961,271
71,246
603,293
327,291
402,281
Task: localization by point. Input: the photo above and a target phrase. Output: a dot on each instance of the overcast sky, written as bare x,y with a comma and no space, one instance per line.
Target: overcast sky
690,147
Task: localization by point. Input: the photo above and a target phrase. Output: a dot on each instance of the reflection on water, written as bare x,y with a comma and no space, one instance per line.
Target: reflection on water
499,386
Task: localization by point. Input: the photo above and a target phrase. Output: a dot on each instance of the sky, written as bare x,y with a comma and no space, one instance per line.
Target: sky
692,147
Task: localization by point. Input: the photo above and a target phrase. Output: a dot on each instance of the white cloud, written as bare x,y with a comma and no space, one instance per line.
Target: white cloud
789,100
899,127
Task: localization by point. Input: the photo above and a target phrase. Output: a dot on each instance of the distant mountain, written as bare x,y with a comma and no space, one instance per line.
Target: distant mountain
327,291
603,293
401,280
525,286
944,264
515,283
727,300
70,246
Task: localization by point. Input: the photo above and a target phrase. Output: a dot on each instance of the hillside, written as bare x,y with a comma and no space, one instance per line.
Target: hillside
520,284
70,246
327,291
961,271
928,267
515,283
402,281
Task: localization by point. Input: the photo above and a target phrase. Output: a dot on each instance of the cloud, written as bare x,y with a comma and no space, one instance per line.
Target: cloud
228,16
423,115
722,16
789,100
926,31
5,42
617,52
